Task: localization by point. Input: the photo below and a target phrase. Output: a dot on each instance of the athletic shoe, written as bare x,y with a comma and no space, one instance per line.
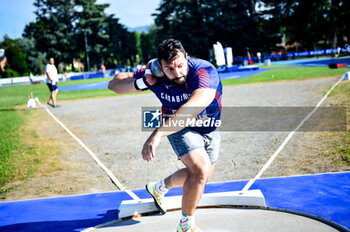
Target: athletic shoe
189,227
157,197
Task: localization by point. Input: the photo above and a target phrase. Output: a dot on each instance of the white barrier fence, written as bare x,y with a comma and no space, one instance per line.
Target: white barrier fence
25,80
42,78
63,77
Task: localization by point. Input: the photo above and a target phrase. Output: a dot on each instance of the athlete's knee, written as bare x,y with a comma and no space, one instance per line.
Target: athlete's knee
200,172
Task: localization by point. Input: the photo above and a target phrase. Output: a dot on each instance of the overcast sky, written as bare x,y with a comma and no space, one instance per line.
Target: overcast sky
15,14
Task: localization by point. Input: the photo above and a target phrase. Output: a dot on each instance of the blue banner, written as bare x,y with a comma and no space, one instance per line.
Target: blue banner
296,54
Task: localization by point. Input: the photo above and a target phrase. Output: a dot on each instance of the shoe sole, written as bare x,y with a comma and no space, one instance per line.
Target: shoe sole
162,211
197,230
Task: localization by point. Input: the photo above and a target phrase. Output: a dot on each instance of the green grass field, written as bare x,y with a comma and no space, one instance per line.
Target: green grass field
12,117
287,74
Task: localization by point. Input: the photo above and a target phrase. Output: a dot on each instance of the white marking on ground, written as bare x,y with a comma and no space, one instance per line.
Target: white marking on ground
97,160
290,135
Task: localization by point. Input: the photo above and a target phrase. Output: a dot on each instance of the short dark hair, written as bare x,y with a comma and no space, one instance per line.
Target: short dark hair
168,50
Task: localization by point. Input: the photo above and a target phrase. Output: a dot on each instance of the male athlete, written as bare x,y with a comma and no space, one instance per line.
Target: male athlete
189,87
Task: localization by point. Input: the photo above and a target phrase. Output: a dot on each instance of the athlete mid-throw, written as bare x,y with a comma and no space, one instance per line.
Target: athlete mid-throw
190,88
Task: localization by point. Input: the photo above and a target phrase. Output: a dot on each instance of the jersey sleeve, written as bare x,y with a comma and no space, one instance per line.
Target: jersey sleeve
207,78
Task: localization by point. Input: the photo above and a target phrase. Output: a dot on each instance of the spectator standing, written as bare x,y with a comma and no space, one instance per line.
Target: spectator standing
52,81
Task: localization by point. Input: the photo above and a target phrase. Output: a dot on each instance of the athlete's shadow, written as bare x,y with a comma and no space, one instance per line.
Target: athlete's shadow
131,222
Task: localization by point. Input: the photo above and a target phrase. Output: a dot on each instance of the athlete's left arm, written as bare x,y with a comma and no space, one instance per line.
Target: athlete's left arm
199,100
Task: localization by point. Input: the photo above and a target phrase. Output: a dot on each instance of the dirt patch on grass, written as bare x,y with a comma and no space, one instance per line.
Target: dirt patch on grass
310,153
50,163
61,167
316,152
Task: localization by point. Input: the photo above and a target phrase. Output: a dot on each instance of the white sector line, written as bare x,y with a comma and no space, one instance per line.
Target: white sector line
290,135
97,160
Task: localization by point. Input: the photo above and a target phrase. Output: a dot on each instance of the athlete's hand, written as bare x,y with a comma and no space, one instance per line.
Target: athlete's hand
151,80
149,148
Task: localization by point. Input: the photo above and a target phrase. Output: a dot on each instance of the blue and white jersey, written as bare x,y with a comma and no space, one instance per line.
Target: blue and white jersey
201,74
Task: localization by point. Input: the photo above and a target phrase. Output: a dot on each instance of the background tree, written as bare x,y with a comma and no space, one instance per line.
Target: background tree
149,43
118,39
343,23
16,59
35,59
258,25
62,28
338,14
135,48
92,20
199,24
184,20
53,30
271,16
307,22
310,25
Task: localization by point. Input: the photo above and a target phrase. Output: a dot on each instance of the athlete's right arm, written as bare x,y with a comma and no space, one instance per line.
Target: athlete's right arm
127,82
123,83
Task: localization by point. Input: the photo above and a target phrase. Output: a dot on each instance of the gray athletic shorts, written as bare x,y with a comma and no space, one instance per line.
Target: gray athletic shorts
187,140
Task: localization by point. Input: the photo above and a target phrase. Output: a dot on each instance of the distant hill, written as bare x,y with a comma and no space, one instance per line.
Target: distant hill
139,29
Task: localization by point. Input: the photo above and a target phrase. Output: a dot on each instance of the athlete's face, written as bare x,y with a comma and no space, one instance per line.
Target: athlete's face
176,71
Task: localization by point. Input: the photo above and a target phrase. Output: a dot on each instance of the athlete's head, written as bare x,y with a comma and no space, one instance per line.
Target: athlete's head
173,60
52,60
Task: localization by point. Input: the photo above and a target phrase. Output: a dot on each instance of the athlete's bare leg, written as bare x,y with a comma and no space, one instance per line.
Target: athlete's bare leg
178,178
193,178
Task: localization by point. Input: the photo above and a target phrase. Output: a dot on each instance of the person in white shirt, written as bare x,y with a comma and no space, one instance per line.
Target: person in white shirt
52,81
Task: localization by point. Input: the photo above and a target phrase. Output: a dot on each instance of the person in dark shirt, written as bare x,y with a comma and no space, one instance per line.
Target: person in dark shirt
190,91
